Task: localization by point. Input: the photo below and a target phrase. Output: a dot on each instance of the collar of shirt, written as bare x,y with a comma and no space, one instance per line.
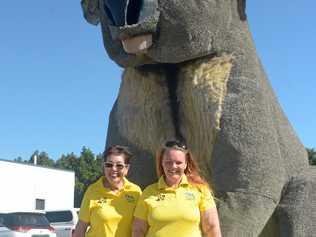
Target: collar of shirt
162,184
126,186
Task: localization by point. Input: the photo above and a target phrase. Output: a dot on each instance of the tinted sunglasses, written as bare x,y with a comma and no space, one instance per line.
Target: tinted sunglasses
176,144
117,166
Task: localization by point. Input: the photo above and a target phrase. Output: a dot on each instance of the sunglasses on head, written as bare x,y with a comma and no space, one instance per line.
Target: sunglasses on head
176,144
117,166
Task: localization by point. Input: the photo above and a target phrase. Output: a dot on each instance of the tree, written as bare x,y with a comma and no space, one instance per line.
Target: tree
42,159
311,156
68,162
19,159
88,169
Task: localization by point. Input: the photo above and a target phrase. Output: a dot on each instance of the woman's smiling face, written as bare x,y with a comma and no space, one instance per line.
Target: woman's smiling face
174,164
115,169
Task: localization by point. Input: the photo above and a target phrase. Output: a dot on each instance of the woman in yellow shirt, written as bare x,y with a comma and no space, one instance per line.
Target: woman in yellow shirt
108,205
180,203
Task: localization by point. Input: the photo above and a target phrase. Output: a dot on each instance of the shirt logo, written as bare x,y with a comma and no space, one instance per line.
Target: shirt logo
102,201
160,197
129,198
189,196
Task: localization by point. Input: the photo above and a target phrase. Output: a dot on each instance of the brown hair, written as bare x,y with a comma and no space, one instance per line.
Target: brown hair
118,150
192,169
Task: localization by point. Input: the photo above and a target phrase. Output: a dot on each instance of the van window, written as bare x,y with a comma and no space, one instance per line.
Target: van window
26,219
59,216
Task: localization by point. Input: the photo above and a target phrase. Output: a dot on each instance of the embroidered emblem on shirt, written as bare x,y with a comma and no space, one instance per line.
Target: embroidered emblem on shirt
161,197
102,201
189,196
129,198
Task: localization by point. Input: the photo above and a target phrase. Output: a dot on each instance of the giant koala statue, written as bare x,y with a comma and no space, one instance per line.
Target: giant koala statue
192,72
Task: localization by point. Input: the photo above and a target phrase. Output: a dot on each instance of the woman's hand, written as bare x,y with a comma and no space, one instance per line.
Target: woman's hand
81,228
210,223
140,228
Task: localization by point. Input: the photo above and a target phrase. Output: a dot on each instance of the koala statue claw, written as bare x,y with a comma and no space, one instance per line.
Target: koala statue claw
192,72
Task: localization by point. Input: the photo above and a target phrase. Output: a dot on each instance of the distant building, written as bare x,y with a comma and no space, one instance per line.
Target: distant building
31,187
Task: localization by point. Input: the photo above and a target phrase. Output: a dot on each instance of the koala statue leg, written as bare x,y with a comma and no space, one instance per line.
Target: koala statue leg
245,205
295,209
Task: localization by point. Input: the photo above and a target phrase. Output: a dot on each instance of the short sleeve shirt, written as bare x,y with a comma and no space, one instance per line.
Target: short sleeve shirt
169,211
109,214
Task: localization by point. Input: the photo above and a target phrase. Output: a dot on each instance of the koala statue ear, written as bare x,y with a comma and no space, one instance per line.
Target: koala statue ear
91,11
242,9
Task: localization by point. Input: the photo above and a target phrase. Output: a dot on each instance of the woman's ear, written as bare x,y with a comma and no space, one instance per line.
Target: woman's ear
91,11
242,9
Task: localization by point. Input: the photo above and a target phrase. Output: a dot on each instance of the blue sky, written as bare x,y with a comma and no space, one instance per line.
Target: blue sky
57,85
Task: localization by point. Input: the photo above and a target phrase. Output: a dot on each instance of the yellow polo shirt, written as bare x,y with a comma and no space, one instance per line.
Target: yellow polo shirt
109,214
174,211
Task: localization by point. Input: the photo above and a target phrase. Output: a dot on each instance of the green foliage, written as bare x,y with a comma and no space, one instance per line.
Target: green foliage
68,162
41,159
311,156
88,170
18,159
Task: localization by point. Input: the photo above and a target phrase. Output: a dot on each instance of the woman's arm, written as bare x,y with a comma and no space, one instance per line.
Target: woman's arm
140,228
210,223
81,228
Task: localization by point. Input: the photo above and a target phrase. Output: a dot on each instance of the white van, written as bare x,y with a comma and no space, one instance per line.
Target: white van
63,221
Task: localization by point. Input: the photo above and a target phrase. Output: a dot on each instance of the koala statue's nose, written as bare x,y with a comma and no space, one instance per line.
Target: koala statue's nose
128,12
